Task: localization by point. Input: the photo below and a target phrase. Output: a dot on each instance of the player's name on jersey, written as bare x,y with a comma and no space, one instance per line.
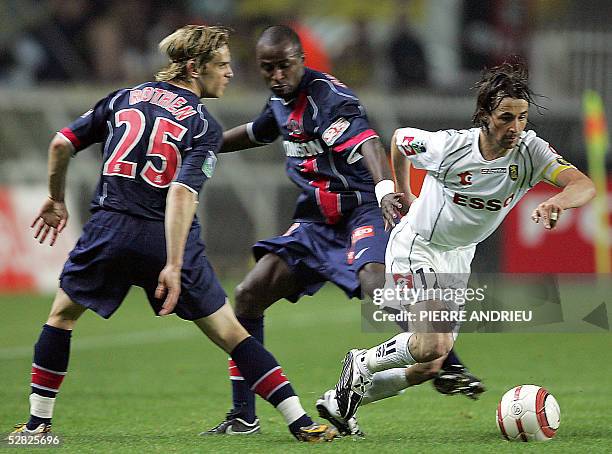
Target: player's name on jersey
301,149
165,99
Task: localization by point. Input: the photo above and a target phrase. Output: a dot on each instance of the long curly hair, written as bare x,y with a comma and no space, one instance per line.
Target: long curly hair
507,80
196,42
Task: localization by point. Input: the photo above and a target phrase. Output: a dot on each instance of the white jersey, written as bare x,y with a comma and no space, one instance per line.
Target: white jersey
464,197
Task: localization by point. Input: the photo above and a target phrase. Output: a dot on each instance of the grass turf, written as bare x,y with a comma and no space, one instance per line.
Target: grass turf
139,383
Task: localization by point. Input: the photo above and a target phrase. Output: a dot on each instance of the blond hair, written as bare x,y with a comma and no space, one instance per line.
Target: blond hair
197,42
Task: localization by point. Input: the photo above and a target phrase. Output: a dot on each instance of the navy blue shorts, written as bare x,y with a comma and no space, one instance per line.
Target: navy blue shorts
117,251
318,252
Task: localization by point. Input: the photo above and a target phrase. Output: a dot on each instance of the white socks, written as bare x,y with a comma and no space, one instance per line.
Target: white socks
41,406
390,354
291,409
387,383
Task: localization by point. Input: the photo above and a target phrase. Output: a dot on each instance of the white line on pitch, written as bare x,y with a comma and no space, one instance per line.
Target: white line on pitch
110,340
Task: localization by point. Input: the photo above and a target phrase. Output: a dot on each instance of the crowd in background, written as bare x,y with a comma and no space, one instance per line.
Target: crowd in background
369,44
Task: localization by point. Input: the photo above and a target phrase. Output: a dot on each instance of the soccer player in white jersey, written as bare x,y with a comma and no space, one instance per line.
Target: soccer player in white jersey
474,178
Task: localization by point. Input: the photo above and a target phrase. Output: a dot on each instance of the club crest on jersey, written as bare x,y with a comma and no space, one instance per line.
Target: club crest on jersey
465,178
513,171
335,130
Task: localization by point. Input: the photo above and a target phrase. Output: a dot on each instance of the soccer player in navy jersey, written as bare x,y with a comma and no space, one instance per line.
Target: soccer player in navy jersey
348,199
158,148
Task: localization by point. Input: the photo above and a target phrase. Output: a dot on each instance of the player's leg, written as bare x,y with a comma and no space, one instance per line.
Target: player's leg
405,256
269,281
371,277
262,373
50,363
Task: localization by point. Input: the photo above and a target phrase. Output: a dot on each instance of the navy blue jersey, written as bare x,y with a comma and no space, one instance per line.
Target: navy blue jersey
322,128
152,135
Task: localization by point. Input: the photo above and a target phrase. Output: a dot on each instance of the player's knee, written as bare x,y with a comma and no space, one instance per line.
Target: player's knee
246,302
432,368
62,318
431,346
371,277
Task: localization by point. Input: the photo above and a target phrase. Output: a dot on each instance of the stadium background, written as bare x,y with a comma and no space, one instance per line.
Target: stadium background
411,62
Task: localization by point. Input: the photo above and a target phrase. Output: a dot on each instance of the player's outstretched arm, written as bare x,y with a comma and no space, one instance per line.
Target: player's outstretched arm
401,172
376,161
578,189
53,215
236,139
181,206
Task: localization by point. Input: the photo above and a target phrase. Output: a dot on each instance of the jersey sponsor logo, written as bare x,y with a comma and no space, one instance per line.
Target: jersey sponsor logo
403,280
335,130
513,171
302,149
493,171
362,232
358,234
410,147
477,203
465,178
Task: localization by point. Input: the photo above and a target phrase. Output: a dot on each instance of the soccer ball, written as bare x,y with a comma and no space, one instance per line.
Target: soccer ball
528,413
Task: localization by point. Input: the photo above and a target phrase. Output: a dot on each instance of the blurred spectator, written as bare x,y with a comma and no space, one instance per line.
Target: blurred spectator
56,48
316,55
357,59
407,57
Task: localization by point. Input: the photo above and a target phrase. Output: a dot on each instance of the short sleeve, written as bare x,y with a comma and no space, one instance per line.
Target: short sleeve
341,119
199,162
425,149
91,127
264,129
548,164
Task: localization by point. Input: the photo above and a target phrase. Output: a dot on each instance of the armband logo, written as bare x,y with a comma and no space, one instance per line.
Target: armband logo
335,130
209,164
563,162
410,147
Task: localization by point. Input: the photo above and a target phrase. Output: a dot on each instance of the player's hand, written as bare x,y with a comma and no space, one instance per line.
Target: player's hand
169,285
52,218
391,205
549,212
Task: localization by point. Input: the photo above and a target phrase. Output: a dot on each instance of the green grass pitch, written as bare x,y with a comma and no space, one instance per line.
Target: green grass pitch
138,383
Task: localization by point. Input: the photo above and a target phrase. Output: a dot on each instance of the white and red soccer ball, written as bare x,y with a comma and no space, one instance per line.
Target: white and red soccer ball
528,413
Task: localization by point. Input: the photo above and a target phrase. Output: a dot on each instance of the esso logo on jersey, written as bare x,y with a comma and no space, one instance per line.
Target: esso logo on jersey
477,203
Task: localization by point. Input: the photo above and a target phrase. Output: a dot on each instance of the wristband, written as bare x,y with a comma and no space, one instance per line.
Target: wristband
382,188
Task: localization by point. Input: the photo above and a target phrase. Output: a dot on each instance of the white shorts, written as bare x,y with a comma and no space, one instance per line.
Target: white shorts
413,261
